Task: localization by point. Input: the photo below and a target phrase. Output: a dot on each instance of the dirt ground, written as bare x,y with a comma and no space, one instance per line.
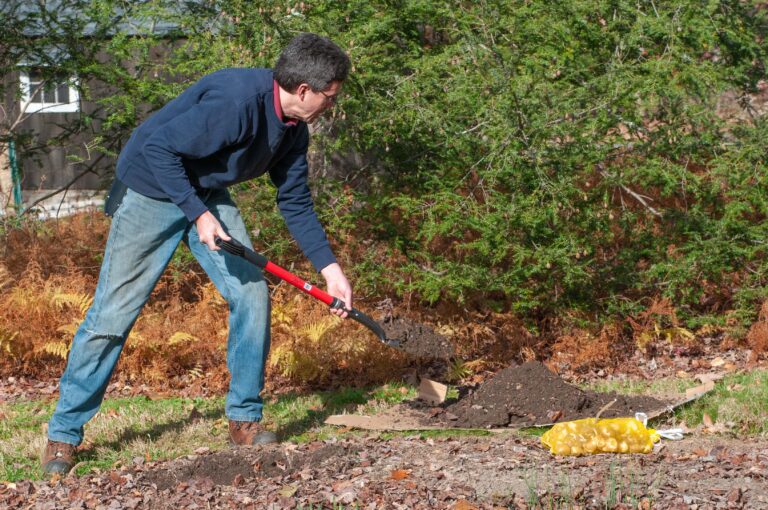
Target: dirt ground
494,471
498,470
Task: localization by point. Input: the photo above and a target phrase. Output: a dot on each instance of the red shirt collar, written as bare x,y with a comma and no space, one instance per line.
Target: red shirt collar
279,107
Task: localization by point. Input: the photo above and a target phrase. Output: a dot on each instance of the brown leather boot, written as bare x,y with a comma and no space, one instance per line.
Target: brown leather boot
249,433
58,458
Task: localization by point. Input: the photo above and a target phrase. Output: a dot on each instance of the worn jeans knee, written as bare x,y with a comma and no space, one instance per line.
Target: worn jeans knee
142,238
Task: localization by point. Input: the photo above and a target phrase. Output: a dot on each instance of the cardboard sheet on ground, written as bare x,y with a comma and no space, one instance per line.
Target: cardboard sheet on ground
403,418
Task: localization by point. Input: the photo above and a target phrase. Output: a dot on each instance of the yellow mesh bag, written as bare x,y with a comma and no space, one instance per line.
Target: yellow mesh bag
592,435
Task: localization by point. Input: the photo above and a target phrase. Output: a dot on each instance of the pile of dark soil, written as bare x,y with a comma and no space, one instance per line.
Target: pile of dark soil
530,394
418,340
228,467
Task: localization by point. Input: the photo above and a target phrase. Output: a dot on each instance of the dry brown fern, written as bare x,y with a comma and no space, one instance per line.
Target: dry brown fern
79,301
56,348
757,337
7,342
181,337
6,278
181,334
659,322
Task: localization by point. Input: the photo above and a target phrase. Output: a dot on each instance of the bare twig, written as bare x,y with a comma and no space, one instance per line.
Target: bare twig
433,271
604,408
578,115
640,198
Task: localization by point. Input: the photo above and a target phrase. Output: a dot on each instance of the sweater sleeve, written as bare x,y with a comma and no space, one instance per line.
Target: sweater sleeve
212,124
291,175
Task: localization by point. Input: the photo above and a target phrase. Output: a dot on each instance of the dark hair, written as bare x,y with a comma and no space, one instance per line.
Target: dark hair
311,59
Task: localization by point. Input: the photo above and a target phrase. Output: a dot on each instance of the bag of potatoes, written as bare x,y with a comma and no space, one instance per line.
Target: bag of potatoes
614,435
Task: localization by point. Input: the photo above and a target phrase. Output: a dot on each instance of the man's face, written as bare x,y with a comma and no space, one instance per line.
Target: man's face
314,104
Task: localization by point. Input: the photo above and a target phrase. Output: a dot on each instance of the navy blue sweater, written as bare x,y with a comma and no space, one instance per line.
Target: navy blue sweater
220,131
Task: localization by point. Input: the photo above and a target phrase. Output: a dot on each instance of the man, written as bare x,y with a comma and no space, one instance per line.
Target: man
231,126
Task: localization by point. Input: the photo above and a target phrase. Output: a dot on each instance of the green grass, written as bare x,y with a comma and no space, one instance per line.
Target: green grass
123,430
737,401
658,387
621,489
128,429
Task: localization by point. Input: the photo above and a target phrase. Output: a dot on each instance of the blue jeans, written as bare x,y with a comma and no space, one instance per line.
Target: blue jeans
142,239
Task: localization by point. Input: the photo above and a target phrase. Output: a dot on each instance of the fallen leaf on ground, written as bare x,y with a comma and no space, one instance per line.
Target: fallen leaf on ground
341,485
705,378
739,459
553,416
463,504
435,411
399,474
712,427
718,428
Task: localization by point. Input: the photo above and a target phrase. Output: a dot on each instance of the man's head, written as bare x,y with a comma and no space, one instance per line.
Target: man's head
311,59
310,71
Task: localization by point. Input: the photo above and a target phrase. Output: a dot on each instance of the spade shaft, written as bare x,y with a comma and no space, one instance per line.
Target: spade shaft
235,247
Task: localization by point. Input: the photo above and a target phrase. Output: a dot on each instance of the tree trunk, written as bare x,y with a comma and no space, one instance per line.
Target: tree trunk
6,182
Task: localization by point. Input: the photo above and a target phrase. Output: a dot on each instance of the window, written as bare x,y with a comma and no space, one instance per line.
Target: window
55,95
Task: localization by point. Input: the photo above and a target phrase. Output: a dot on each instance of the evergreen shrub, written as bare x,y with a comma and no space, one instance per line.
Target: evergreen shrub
546,158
